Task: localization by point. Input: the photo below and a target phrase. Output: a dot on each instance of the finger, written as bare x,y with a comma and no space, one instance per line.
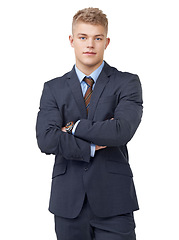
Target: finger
63,129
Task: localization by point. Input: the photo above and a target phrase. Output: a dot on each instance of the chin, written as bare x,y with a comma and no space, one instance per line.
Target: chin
91,63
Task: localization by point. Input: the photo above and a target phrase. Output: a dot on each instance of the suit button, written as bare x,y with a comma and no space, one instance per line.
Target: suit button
86,169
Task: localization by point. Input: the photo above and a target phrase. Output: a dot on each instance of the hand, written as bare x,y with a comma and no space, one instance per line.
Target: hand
63,129
99,147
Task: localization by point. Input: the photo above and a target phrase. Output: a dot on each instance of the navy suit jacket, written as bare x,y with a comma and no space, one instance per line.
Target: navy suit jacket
107,178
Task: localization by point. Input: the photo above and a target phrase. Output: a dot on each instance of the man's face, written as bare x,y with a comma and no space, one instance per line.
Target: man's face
89,42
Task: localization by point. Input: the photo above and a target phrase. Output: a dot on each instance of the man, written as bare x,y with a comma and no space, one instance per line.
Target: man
86,118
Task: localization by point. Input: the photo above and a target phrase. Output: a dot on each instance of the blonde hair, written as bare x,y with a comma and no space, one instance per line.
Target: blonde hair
91,15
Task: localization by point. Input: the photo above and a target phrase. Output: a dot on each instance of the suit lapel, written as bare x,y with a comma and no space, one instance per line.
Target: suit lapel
74,84
100,85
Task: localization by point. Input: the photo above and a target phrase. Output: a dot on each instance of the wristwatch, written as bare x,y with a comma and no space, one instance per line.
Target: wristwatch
69,127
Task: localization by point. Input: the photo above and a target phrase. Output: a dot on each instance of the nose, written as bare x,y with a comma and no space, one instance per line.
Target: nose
90,43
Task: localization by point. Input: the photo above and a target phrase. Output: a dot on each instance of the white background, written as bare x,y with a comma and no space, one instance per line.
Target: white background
34,48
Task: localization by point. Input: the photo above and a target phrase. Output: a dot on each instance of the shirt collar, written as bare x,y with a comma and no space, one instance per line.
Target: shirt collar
94,75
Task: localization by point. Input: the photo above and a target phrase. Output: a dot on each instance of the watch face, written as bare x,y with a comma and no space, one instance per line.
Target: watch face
69,127
69,124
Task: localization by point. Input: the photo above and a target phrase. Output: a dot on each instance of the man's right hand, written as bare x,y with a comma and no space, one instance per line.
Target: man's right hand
99,147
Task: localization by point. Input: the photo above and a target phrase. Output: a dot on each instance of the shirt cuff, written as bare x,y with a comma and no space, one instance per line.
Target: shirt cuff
93,146
75,126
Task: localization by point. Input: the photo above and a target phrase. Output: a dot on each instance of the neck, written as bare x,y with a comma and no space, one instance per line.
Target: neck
88,69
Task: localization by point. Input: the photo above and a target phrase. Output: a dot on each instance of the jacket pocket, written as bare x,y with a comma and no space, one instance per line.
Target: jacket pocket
59,169
119,168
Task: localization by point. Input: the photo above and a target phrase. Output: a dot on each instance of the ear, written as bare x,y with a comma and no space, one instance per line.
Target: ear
107,42
71,40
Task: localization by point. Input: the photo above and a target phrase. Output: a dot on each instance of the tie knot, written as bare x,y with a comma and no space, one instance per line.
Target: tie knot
89,81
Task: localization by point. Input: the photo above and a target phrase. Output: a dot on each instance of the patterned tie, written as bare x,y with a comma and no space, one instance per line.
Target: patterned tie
87,97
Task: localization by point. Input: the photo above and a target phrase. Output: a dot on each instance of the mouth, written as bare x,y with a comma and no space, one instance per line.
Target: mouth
89,53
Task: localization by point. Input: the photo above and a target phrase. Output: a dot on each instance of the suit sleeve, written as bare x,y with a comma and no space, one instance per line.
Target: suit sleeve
127,117
50,138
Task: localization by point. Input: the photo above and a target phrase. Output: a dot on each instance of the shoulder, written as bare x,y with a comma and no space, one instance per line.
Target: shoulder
120,76
58,84
56,81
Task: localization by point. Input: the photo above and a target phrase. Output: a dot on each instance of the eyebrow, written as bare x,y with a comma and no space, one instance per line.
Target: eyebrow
83,34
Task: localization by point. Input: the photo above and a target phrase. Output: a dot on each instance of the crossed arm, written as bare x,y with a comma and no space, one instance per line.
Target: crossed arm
52,138
96,146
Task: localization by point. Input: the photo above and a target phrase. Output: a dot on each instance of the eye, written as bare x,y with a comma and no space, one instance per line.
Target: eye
82,38
98,39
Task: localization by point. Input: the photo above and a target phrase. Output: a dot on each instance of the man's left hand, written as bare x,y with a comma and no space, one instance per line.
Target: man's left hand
63,129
